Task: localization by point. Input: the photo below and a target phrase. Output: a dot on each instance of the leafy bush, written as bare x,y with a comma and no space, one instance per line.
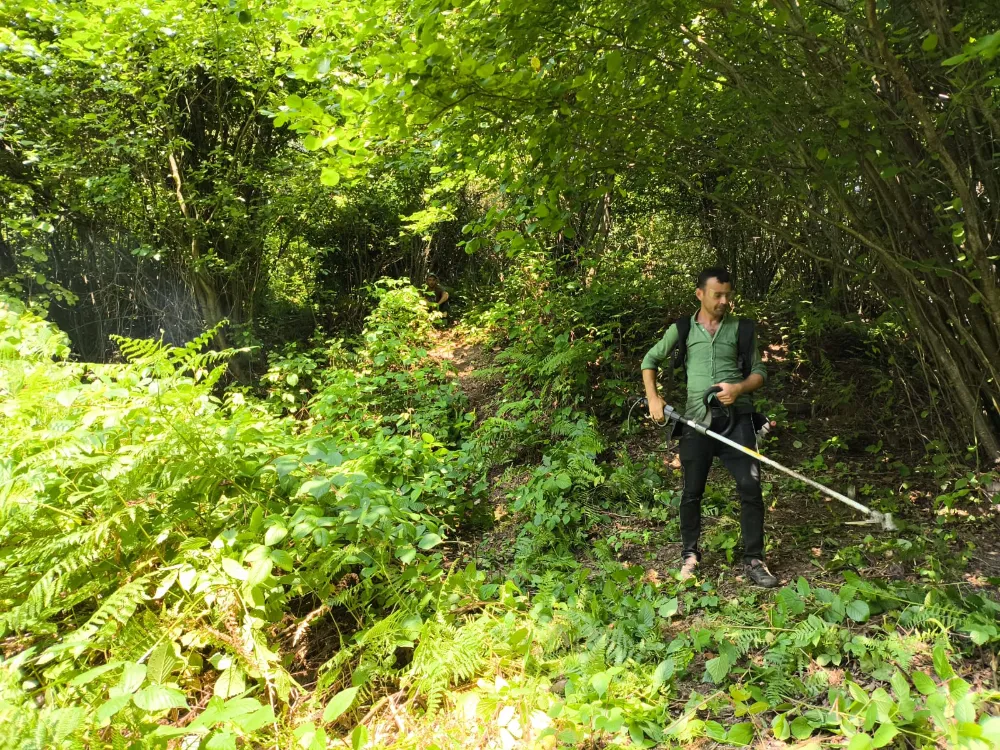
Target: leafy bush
157,531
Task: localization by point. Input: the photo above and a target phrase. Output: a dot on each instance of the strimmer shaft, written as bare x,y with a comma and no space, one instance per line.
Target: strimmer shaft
883,519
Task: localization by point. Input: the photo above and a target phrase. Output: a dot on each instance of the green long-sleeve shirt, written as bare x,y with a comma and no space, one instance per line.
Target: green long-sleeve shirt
710,360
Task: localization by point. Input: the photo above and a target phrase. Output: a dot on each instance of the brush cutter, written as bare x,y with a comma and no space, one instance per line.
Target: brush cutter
672,415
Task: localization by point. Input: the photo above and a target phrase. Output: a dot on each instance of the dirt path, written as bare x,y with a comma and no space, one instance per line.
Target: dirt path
469,361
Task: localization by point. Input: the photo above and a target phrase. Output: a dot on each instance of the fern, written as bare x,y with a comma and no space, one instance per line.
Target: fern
447,656
809,631
104,625
57,581
930,616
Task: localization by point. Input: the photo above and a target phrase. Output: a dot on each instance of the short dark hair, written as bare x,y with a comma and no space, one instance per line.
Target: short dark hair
716,272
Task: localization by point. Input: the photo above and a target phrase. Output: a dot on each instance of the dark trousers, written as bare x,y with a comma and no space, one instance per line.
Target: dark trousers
697,453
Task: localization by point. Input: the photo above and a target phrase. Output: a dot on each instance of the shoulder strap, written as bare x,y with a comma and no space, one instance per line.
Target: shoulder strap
744,346
680,349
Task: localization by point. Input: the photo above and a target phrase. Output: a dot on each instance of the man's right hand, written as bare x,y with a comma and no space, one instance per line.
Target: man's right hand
656,405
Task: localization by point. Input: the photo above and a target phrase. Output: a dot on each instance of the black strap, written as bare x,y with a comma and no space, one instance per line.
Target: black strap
681,348
744,346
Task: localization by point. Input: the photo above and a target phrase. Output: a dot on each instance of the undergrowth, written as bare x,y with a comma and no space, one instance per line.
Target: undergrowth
190,564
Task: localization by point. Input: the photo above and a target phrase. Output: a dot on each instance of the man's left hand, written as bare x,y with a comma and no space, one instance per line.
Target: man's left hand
729,393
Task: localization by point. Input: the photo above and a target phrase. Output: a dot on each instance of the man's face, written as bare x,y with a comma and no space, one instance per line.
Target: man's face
716,297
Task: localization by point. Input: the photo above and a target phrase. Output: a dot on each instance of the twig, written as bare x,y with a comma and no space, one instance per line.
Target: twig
392,710
372,711
304,625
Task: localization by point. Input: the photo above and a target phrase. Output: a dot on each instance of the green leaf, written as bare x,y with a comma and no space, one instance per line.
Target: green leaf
259,572
66,722
162,663
231,682
154,698
858,610
339,704
600,682
252,722
359,737
857,692
714,730
899,685
234,569
614,61
429,540
958,689
860,741
930,44
486,70
132,677
669,608
564,481
780,727
791,601
308,737
718,668
663,673
329,177
884,735
112,706
274,534
923,683
991,730
187,576
315,487
223,740
801,728
406,554
218,711
740,734
283,560
941,664
92,674
66,398
823,153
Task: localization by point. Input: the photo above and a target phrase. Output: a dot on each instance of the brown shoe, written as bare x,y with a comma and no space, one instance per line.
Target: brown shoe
689,568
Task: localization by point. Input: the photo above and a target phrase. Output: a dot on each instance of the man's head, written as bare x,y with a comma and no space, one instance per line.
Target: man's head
715,291
432,280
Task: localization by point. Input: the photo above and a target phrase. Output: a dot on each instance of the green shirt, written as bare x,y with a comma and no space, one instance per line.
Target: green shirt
710,360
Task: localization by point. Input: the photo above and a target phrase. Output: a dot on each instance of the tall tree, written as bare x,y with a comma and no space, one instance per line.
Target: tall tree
855,134
147,121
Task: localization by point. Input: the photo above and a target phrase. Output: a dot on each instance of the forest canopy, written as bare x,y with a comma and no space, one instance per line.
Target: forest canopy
261,486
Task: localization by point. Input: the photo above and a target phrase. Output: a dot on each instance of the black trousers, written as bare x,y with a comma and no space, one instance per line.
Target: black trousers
697,453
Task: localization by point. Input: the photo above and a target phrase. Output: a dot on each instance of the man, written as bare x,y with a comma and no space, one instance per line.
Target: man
441,295
712,359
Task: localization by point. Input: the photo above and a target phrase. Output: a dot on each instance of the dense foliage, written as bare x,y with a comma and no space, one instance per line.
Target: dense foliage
256,491
181,561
